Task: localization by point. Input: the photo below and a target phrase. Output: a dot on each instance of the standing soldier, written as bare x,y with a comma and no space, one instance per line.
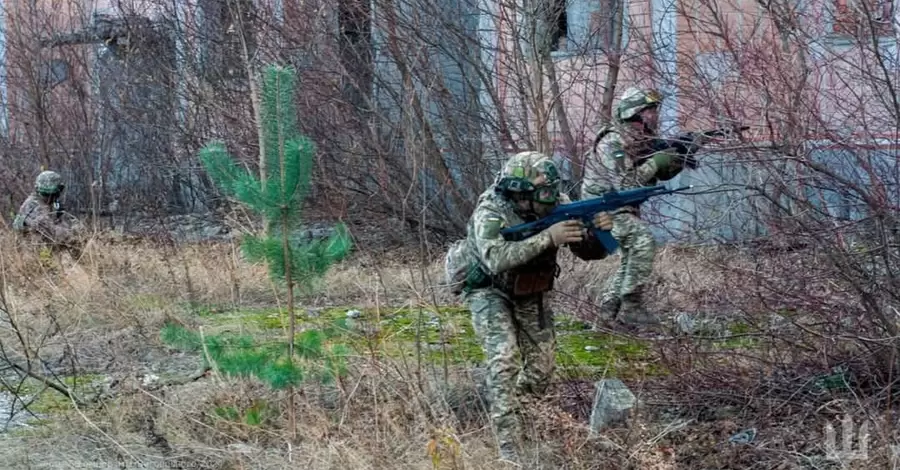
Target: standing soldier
503,283
40,214
625,156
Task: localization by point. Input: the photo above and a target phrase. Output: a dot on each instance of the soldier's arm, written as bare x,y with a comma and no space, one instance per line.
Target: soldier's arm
499,255
644,172
43,223
25,211
19,223
667,161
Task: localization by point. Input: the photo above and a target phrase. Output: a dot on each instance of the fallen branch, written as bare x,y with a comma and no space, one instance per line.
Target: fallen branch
173,382
65,391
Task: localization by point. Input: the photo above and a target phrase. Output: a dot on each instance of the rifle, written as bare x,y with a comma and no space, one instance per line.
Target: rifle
717,132
585,210
688,143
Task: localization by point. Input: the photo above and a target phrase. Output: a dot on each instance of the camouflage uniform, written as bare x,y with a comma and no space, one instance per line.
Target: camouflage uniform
616,164
505,286
39,215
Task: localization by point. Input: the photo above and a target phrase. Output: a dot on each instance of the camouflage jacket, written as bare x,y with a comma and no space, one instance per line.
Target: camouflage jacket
611,166
37,217
504,262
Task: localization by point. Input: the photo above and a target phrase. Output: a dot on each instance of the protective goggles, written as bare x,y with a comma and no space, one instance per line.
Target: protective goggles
546,194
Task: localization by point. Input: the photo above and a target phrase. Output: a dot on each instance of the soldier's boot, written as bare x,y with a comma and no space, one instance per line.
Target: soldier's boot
509,452
606,312
635,315
609,308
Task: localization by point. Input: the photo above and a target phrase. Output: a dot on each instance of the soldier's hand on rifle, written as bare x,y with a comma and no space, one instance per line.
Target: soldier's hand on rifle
567,231
603,221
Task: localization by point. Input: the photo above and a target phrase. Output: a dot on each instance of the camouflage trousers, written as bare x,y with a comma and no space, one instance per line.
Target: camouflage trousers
519,341
637,249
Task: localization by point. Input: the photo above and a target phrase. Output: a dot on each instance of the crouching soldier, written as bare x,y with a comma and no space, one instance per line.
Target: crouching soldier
41,219
503,283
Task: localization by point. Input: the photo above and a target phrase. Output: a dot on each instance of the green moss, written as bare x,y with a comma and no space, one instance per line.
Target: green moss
740,342
44,400
446,333
738,328
272,321
569,324
148,302
461,353
252,318
589,353
441,333
36,427
401,314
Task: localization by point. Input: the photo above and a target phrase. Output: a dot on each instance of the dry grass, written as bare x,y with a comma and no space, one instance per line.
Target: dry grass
103,315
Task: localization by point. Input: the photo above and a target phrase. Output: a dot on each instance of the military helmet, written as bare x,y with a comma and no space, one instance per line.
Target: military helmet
634,100
531,174
48,182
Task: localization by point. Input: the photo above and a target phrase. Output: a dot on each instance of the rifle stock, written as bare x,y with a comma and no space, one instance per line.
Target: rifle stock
585,211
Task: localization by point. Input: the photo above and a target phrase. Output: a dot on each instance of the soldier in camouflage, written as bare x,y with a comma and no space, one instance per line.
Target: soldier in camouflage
505,283
625,157
41,216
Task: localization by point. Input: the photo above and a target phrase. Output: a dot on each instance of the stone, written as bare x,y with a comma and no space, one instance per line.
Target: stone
612,404
744,437
684,323
212,231
149,379
353,313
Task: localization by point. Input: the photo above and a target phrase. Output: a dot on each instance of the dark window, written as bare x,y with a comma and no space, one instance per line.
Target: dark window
53,73
559,24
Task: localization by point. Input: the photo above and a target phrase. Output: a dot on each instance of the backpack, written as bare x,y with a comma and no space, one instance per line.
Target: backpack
591,155
600,135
